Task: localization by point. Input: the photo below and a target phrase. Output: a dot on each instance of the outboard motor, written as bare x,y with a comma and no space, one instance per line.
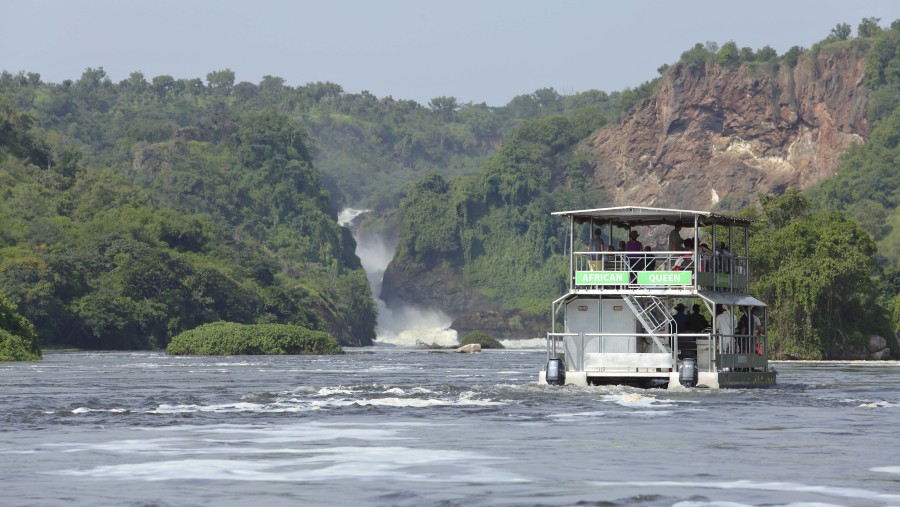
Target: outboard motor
688,374
556,372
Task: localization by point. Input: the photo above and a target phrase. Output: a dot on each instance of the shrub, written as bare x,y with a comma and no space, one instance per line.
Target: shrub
229,338
18,340
16,348
482,339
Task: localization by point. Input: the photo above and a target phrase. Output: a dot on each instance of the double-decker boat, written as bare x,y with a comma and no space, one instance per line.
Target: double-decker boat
622,320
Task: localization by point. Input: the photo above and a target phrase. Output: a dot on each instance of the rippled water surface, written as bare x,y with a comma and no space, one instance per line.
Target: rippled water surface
392,426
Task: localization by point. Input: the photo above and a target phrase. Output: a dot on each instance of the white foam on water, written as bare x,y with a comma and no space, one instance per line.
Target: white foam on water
636,400
86,410
719,503
331,391
527,343
887,470
462,401
792,487
577,415
433,328
346,215
224,407
338,463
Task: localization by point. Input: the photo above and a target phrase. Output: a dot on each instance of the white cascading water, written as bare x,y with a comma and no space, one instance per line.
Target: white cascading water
405,325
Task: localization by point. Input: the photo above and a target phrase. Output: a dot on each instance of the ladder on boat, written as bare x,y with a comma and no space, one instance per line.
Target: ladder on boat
652,313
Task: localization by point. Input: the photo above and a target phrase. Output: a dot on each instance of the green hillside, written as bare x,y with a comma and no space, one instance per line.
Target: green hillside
492,232
222,221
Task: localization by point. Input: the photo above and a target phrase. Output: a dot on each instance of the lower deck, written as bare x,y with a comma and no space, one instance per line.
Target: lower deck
633,340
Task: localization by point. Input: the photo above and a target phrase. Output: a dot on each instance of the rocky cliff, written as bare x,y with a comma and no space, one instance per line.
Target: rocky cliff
714,136
710,137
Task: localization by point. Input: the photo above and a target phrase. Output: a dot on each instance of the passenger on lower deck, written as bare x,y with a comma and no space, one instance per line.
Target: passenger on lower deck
697,321
687,345
725,329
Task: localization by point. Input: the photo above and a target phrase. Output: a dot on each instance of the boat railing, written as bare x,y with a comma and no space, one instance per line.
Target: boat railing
635,270
582,350
713,351
742,352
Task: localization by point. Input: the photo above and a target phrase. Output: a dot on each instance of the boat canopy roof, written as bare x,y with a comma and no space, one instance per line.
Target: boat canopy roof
726,298
631,216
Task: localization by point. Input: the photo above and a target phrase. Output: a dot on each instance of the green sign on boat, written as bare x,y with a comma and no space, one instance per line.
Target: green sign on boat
601,277
664,277
643,278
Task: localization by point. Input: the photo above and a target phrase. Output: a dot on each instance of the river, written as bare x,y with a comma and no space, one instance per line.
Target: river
399,426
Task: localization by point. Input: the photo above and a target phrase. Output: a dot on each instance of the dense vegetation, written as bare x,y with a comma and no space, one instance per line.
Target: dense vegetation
18,341
482,339
816,270
867,185
493,228
226,223
133,211
228,339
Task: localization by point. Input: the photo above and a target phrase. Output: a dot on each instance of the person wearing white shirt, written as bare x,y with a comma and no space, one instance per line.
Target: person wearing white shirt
725,329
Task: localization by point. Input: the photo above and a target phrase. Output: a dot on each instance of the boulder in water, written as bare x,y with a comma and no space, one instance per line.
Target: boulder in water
468,349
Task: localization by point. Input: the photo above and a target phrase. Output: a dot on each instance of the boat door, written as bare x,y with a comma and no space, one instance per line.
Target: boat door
616,318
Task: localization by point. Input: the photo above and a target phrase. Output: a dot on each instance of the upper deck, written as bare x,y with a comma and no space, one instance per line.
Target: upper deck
715,261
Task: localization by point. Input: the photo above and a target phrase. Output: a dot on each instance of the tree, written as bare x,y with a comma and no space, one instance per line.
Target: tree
816,272
221,81
868,27
841,31
729,55
445,106
18,341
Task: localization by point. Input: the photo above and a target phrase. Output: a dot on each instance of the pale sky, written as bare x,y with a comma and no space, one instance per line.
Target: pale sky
474,50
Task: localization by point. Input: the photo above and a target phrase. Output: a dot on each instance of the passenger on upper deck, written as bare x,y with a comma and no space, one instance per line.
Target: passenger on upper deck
723,258
675,241
706,257
635,262
684,262
649,259
633,244
597,245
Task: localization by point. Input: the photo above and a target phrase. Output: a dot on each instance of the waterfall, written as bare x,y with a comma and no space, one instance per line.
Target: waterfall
404,325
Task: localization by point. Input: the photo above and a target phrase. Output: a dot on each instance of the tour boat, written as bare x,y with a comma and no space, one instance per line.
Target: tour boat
618,322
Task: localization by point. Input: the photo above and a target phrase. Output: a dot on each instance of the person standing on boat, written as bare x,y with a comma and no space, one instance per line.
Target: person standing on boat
597,245
635,262
675,244
723,256
725,329
680,319
697,322
687,345
675,240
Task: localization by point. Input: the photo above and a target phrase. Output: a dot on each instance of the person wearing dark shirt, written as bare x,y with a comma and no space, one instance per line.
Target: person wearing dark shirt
687,346
697,321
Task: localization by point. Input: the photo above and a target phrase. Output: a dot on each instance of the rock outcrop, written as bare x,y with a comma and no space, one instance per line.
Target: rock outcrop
716,136
711,137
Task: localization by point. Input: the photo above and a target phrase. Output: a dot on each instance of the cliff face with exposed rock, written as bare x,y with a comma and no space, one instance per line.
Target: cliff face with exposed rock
716,136
710,137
